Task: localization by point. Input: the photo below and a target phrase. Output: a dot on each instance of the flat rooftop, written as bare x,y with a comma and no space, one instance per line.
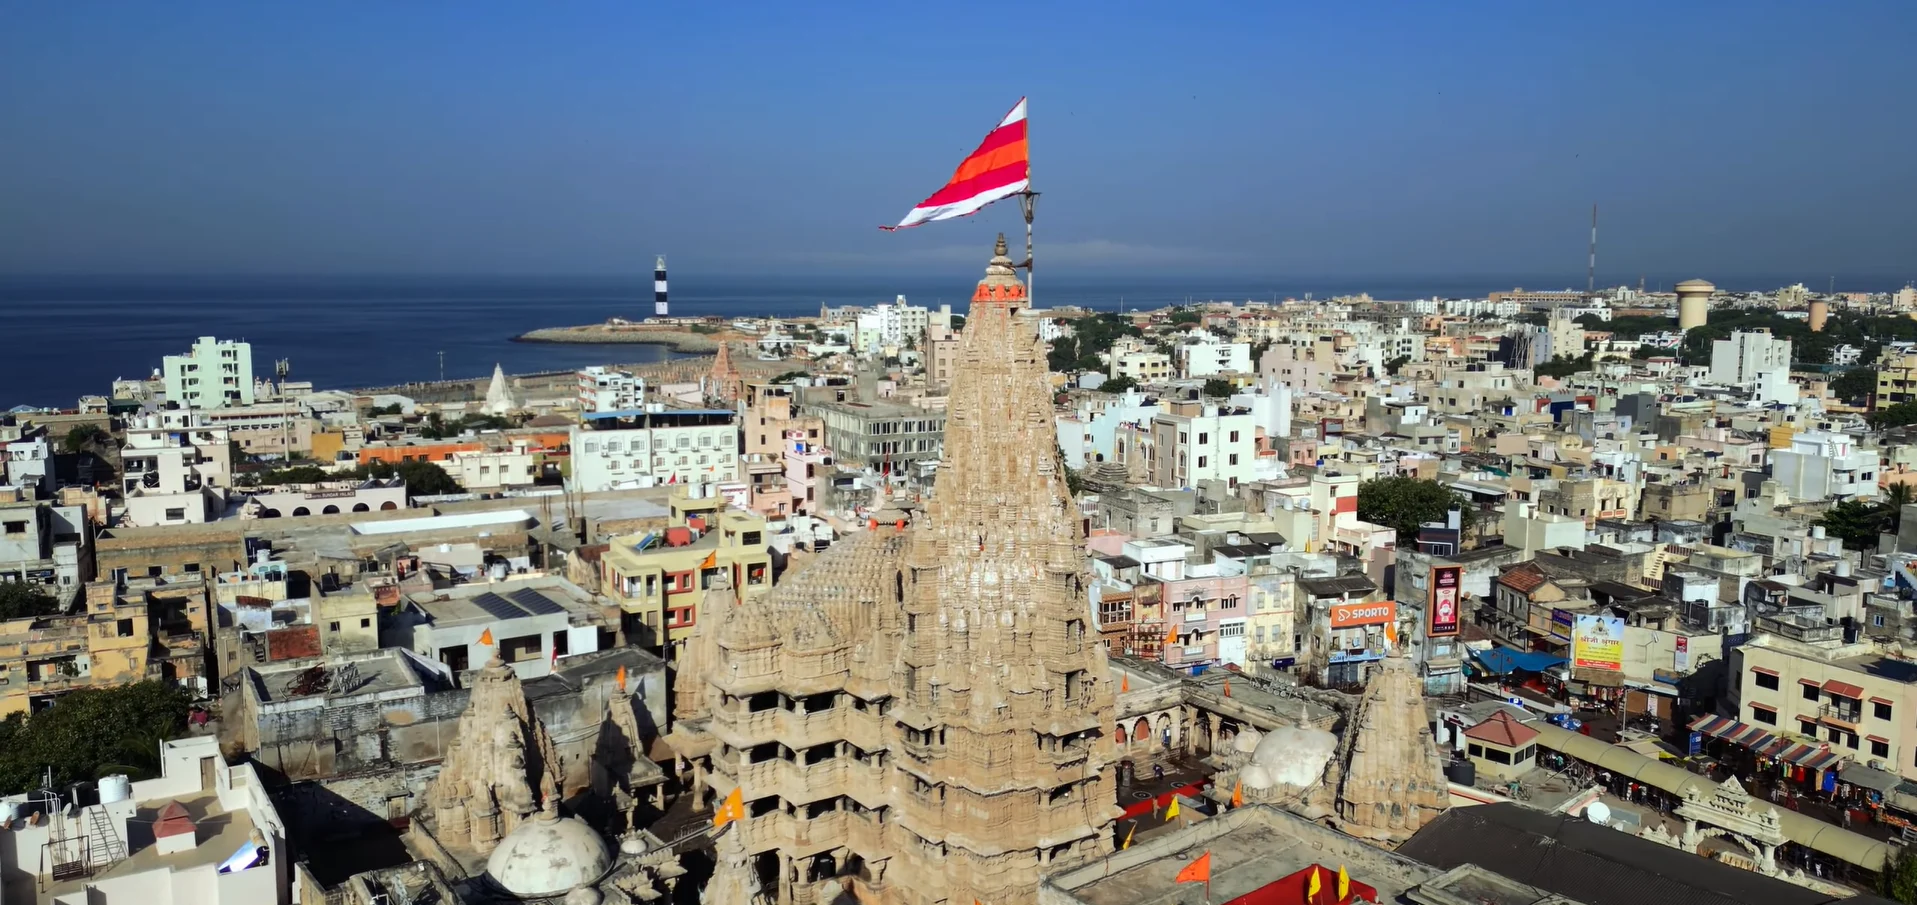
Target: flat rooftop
371,675
220,833
485,602
1251,848
443,522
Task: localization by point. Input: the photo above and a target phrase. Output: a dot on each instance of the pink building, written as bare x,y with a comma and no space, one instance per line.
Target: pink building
1209,613
806,461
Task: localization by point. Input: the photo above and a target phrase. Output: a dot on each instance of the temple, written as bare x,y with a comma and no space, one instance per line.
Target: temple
921,716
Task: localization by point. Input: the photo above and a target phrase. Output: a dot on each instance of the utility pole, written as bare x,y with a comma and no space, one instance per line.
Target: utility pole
442,366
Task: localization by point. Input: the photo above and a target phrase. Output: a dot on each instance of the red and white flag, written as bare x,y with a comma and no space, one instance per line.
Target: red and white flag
1000,168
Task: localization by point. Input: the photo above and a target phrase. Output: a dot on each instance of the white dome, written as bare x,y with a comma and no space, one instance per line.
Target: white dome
1295,757
1247,741
1255,776
549,855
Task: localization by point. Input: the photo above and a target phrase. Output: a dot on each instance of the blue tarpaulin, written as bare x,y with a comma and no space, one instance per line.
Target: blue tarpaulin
1503,660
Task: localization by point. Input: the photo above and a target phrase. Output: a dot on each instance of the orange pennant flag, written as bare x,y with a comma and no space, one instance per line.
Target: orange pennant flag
711,561
622,678
1238,794
486,637
1124,683
1227,688
732,809
1171,637
1198,871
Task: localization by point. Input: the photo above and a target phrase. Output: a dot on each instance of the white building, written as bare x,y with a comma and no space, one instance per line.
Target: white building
263,428
1144,367
534,623
29,465
890,325
203,832
174,469
215,373
1217,443
654,446
608,390
1087,434
330,498
486,470
1820,465
1209,358
1756,362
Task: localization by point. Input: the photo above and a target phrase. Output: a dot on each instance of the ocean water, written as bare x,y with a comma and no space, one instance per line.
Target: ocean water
70,336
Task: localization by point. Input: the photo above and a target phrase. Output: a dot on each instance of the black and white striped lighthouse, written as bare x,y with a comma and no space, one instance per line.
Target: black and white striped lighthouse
659,287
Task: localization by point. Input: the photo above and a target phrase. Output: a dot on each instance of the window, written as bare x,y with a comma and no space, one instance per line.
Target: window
1234,436
750,539
191,568
1879,748
332,626
1766,680
124,628
1203,438
16,527
1809,691
1476,750
1880,709
154,572
561,643
176,514
366,623
1766,716
1808,727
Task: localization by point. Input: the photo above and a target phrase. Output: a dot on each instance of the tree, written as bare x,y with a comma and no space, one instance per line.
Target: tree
1643,352
1896,497
1116,385
91,733
1899,879
19,599
1219,387
790,376
1404,503
1857,523
1181,317
958,322
1895,416
81,437
1392,366
394,409
1855,385
1063,358
1563,367
1258,350
422,478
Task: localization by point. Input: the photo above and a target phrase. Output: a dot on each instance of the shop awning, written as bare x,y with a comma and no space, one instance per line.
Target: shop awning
1844,688
1503,660
1861,775
1810,757
1732,731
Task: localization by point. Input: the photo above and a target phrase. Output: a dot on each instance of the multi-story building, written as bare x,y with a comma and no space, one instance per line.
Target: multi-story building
807,464
884,436
661,581
216,373
102,645
653,446
528,623
46,544
769,414
395,452
174,470
1821,464
608,390
1142,366
891,325
1210,357
1755,362
29,465
279,428
495,469
1798,676
1203,443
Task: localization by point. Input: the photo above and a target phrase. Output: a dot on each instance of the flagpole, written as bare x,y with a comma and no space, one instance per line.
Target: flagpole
1028,202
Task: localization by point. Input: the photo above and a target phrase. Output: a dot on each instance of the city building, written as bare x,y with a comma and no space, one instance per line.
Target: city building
174,470
529,624
886,437
216,373
1755,362
604,389
1210,357
46,544
663,580
1203,442
653,446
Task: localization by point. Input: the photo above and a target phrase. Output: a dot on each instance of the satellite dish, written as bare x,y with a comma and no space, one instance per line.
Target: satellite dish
1598,812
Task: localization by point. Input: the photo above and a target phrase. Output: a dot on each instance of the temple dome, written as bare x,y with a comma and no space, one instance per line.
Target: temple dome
1247,741
549,855
1293,757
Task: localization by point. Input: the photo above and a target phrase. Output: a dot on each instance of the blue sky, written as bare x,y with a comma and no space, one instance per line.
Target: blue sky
765,138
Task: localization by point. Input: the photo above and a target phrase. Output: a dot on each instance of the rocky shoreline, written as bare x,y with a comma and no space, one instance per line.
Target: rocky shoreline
593,334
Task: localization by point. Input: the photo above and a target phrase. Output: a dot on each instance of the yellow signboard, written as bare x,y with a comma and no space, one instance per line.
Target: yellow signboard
1597,642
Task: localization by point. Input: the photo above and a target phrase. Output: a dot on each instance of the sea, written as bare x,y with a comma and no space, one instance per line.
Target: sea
65,337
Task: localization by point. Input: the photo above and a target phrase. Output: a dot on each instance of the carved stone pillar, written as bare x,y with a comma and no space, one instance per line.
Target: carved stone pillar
1767,860
698,789
1185,720
787,874
1211,742
1691,836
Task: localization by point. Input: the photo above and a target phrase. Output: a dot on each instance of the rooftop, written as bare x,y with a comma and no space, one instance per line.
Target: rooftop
378,674
524,598
442,522
220,833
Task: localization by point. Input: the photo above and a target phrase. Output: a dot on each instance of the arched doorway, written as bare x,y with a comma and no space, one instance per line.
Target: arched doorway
388,506
302,510
362,507
330,510
269,513
1164,729
1142,730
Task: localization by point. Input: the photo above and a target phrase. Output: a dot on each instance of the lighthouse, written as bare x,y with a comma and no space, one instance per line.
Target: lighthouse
659,287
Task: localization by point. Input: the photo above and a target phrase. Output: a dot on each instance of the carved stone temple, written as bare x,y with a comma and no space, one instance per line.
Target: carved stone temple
920,716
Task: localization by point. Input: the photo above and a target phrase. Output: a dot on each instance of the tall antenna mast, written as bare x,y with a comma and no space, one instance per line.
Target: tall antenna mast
1590,275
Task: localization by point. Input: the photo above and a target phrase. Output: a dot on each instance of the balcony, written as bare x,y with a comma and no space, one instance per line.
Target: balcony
1841,716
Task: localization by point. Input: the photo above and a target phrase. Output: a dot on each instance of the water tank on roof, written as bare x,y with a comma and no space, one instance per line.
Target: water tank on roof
115,788
1462,772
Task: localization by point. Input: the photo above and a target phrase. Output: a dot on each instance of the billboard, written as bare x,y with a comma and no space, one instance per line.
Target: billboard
1597,642
1348,615
1441,612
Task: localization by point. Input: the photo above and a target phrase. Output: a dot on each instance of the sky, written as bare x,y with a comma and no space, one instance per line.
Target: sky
770,139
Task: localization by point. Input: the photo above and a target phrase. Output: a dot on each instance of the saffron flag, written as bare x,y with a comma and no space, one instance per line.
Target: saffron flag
1171,810
1128,836
1171,637
1124,683
711,561
1227,688
999,169
732,809
622,678
1344,884
1198,871
1313,885
1238,794
486,637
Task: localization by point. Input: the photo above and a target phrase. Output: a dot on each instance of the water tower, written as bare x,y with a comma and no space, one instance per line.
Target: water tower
1693,303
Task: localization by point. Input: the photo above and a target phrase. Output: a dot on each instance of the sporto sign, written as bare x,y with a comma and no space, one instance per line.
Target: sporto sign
1345,615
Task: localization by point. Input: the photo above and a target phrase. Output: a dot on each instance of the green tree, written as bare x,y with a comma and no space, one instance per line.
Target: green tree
422,478
1643,352
81,438
1392,366
790,376
958,322
1404,503
1898,882
1561,366
19,599
394,409
1219,387
1534,318
1063,358
1895,416
90,733
1857,523
1116,385
1181,317
1855,385
1258,350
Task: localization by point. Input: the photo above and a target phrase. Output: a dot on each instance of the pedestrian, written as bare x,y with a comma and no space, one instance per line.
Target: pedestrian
1158,772
1847,818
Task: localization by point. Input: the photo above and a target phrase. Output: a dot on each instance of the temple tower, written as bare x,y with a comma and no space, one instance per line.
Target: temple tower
1001,698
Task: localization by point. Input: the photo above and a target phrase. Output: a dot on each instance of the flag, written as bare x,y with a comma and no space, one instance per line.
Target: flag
1227,688
1238,794
999,169
1313,885
555,655
1124,683
711,561
486,637
1198,871
1171,637
1171,810
1128,837
622,678
732,809
1344,884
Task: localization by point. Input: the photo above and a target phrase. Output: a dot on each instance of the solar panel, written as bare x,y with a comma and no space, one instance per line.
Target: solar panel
536,603
498,607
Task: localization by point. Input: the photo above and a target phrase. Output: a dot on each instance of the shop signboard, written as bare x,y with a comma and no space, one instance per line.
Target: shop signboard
1349,615
1446,588
1597,642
